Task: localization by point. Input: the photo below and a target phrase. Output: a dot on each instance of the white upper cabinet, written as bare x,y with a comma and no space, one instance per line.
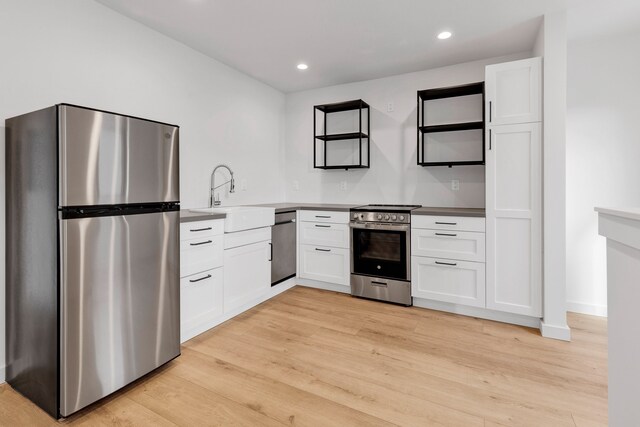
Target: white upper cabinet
513,92
514,219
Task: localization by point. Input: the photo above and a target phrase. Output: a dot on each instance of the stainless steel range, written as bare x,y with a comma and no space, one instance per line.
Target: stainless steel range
381,252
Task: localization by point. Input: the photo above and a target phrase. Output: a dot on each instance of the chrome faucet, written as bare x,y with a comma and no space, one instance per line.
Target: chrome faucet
232,187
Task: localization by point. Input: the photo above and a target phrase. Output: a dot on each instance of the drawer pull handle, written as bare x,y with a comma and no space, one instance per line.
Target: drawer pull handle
446,234
323,226
323,250
323,216
446,223
201,229
201,243
208,276
447,263
374,283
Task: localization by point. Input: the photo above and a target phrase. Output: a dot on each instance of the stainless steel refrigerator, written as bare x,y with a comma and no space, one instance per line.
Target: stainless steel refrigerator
92,254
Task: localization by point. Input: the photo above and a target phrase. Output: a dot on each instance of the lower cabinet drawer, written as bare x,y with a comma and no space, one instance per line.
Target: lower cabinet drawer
460,245
324,216
448,223
200,254
457,282
324,234
331,265
201,300
198,229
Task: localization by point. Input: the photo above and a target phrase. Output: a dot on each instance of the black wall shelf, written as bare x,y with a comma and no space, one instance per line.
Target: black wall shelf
342,136
442,93
360,157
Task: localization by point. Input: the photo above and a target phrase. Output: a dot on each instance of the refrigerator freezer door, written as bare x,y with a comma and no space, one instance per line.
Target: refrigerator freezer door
108,159
120,302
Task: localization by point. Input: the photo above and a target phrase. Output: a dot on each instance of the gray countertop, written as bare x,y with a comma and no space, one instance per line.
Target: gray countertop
187,216
426,210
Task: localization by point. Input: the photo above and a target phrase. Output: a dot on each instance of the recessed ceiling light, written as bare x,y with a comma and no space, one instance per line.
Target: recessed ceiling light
302,66
444,35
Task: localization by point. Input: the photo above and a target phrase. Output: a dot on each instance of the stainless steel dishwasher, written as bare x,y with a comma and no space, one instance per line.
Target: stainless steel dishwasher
283,239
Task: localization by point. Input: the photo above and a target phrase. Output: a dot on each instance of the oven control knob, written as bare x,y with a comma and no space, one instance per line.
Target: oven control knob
379,216
401,217
355,216
386,217
361,216
394,217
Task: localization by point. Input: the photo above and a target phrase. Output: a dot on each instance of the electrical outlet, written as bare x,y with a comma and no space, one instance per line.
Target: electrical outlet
343,185
390,107
296,185
455,184
243,185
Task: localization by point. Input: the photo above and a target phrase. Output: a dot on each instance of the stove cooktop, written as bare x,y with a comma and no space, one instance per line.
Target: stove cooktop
386,208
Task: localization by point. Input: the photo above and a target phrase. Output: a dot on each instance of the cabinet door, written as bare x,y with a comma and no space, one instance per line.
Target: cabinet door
453,223
514,219
323,234
247,274
460,245
200,302
457,282
513,92
325,264
203,253
324,216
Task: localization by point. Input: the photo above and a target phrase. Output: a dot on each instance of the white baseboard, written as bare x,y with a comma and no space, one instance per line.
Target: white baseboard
591,309
556,332
323,285
482,313
3,373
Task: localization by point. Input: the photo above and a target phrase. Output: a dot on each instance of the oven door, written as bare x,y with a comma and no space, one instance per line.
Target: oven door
380,250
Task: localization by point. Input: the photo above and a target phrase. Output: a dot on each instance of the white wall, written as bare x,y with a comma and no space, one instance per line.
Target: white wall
603,149
394,176
80,52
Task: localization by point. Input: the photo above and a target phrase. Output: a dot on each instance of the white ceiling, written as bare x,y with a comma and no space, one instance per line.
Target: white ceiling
343,40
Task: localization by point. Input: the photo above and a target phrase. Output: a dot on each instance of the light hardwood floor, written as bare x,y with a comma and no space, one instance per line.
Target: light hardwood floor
318,358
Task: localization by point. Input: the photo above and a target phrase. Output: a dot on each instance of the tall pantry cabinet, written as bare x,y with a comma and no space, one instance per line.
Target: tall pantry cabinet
514,187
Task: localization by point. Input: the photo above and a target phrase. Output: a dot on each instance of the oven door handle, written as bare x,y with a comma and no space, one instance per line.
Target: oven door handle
372,226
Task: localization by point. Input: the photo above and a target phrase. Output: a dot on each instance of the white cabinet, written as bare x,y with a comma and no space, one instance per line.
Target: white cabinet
447,259
323,250
247,267
457,282
514,219
201,285
513,179
325,264
512,92
200,302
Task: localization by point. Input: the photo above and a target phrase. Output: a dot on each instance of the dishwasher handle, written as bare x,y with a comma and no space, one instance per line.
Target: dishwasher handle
285,222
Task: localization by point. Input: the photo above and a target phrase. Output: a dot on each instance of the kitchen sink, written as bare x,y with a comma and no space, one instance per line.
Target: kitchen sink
242,217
